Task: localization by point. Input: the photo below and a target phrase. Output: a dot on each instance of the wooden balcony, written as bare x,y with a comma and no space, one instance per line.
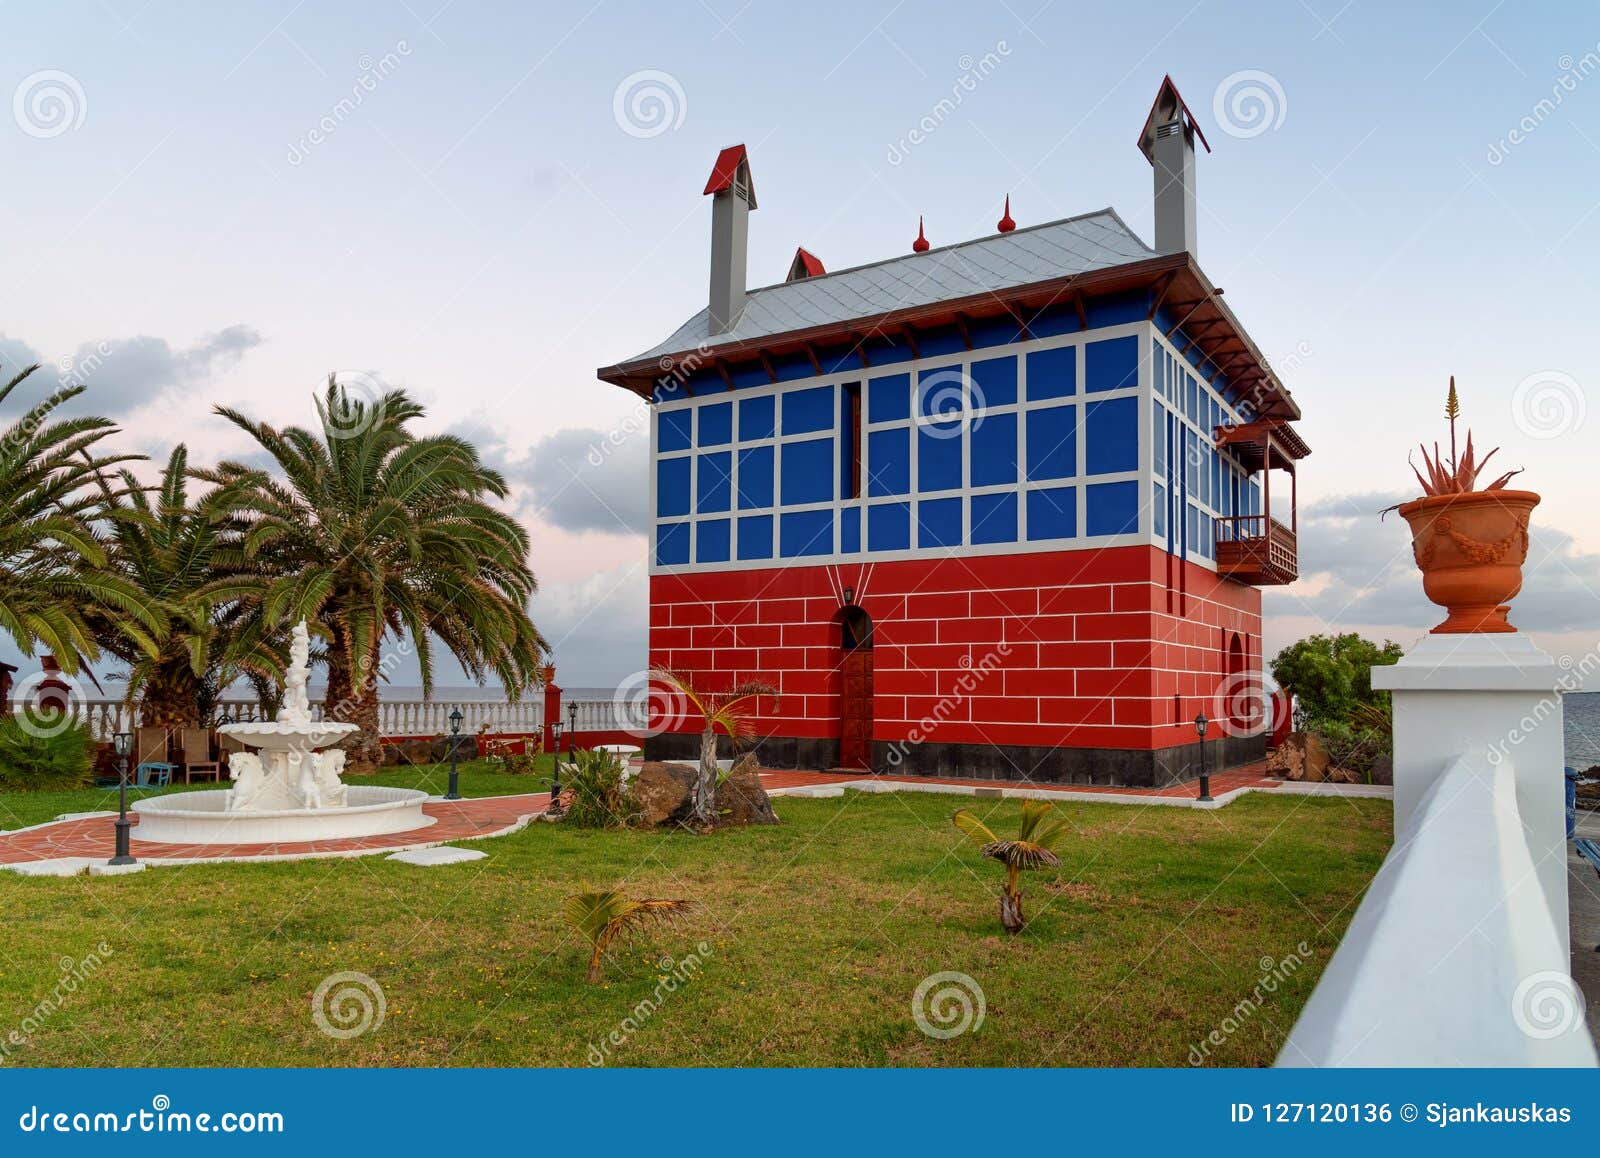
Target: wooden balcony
1258,550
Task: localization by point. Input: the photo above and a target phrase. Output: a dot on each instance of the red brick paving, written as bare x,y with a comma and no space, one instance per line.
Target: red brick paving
489,816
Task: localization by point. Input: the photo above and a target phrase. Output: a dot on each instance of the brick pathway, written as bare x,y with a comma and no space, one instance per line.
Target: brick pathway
487,816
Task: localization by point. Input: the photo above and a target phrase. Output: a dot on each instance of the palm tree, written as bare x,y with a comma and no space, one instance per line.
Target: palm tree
729,711
180,553
604,915
1032,848
375,533
56,593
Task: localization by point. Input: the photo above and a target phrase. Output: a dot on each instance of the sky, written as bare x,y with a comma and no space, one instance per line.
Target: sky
482,203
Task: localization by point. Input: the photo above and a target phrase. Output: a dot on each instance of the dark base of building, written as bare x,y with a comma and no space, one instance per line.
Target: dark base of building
1105,767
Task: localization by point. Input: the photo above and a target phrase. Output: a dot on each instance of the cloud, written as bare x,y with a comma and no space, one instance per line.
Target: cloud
580,480
123,374
1357,570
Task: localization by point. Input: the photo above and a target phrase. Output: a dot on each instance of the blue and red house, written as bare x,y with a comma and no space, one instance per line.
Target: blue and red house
997,508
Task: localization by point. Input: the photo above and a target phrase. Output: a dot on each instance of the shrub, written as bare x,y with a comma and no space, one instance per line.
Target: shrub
520,763
599,797
57,762
1357,744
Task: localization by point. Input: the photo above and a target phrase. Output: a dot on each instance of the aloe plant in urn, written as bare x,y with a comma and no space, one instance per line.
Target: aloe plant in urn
1469,544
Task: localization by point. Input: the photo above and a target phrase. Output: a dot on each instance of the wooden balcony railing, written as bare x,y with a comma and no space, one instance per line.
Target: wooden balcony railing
1257,550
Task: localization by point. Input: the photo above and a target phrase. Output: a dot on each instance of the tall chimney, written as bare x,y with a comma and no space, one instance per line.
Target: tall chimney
1167,142
733,196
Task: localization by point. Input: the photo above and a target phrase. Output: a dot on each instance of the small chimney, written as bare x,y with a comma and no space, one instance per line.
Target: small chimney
733,195
805,264
1167,142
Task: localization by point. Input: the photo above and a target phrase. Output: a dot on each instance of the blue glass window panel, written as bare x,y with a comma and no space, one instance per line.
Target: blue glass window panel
1111,508
1193,529
1158,372
716,424
711,541
1158,511
806,411
672,487
849,530
889,462
672,544
755,477
1053,373
714,482
1053,442
939,523
942,393
1158,440
1112,364
805,533
994,450
939,456
889,398
1111,436
889,527
1191,399
994,518
994,382
807,471
755,537
756,418
1053,513
672,429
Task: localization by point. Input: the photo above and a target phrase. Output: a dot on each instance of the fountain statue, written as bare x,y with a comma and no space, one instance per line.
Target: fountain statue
290,788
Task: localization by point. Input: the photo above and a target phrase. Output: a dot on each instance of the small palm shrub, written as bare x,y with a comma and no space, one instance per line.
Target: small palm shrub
1033,848
599,796
605,915
520,764
55,762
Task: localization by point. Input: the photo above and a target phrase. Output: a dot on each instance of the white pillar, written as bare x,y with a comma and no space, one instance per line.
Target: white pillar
1498,695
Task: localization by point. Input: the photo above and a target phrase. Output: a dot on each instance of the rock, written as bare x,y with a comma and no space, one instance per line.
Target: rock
741,799
391,755
1301,756
662,793
1383,770
1336,775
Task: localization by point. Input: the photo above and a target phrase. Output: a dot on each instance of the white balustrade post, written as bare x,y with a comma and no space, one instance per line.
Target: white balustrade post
1494,694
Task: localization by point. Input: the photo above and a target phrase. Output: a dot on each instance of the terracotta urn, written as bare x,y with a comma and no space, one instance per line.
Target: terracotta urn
1470,549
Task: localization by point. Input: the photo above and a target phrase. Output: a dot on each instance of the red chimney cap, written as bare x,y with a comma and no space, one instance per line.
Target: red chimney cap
729,163
1006,225
920,245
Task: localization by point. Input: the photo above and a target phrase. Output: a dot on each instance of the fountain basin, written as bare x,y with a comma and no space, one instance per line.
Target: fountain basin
202,818
272,736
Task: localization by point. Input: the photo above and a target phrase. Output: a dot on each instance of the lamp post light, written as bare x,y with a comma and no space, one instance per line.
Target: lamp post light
1200,724
554,810
122,744
455,742
572,730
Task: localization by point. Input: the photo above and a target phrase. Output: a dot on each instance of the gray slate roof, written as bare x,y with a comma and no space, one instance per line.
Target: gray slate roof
1075,245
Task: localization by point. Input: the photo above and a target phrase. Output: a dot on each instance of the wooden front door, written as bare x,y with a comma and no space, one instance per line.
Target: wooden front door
855,743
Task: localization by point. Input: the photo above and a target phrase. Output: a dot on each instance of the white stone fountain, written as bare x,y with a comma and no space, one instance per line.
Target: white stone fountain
288,790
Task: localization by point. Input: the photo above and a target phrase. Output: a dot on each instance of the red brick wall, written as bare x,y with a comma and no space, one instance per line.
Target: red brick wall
1074,648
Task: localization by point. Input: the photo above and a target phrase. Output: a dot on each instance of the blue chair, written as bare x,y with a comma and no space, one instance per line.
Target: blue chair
154,769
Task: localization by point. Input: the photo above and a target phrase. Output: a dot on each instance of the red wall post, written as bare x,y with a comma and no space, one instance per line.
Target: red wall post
552,713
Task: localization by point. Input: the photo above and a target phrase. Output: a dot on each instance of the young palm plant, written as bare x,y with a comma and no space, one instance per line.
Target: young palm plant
180,551
1033,848
376,533
56,592
732,712
604,915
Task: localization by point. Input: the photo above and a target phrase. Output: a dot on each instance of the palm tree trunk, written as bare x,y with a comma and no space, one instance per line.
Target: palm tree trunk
705,784
1011,903
353,700
594,966
171,698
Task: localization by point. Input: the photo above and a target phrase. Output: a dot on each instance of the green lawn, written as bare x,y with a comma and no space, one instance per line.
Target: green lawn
1159,923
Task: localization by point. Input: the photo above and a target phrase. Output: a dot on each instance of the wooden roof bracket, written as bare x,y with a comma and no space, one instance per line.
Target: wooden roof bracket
961,326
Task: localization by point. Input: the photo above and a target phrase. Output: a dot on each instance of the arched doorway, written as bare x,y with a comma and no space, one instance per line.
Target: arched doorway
855,700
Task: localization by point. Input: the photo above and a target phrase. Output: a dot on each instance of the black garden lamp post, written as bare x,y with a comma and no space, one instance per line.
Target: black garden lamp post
572,730
1200,724
555,783
455,743
122,744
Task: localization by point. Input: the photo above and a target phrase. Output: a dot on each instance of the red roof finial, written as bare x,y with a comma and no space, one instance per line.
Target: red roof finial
1006,224
920,245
